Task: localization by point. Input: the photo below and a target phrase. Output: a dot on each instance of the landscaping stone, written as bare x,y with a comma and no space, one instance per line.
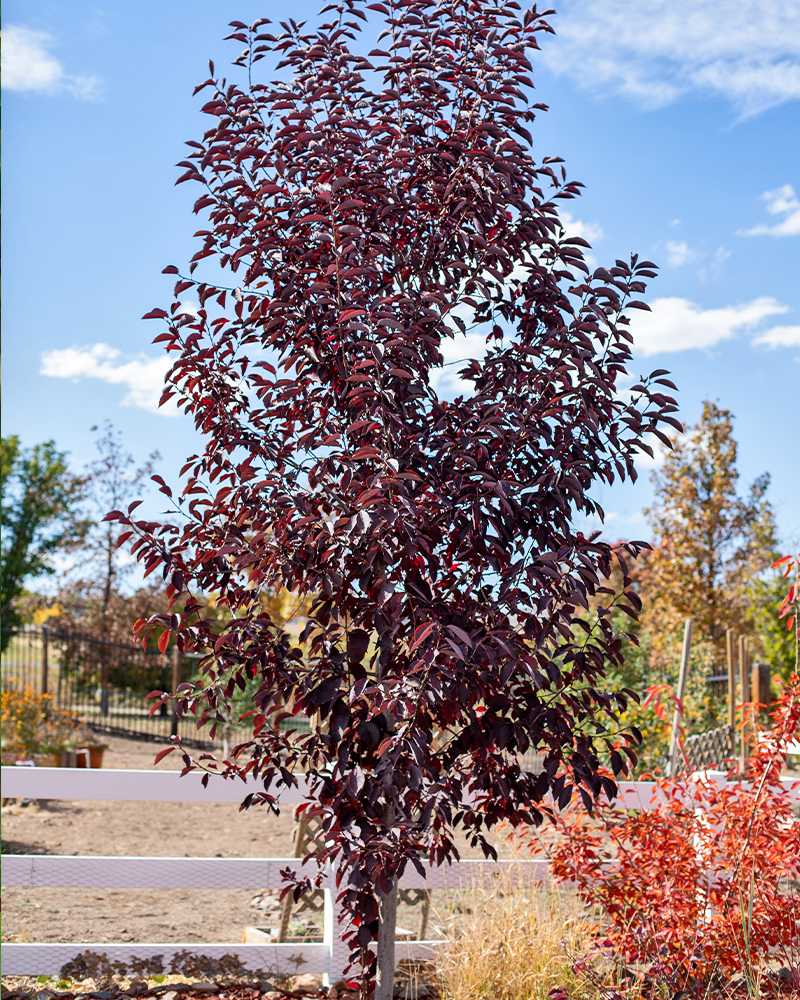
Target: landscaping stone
307,981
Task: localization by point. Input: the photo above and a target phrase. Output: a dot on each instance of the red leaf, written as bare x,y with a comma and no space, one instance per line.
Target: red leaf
163,642
421,634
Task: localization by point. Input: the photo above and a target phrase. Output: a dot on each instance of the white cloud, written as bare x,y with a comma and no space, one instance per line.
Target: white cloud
679,253
446,381
654,461
747,51
143,376
780,336
589,231
189,307
29,67
676,324
782,201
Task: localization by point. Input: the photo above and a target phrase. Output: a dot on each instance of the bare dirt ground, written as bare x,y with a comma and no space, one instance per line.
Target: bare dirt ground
146,829
125,829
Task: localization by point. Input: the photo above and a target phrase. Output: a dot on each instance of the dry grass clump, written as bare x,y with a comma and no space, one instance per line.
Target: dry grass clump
513,943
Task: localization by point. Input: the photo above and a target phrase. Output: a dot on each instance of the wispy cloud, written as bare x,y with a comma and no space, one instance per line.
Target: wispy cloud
676,324
143,376
29,67
782,201
780,336
658,51
679,254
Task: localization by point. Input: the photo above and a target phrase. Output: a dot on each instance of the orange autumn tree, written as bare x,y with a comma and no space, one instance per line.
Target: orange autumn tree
709,542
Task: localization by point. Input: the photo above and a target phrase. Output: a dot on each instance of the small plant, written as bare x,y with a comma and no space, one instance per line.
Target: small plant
32,727
23,714
701,885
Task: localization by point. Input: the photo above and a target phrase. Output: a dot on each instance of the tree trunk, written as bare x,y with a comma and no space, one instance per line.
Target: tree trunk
387,915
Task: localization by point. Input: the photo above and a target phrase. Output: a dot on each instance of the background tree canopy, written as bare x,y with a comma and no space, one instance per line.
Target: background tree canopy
41,517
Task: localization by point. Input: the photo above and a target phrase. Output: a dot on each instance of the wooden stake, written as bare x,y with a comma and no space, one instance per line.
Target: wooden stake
675,740
744,683
299,850
731,652
176,679
755,687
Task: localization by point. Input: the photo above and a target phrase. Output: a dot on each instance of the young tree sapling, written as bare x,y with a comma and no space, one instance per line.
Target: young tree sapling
372,209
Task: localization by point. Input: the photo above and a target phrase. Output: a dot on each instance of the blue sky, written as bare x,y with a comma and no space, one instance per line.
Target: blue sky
682,119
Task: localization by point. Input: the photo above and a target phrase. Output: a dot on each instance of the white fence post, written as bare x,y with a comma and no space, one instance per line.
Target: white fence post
339,950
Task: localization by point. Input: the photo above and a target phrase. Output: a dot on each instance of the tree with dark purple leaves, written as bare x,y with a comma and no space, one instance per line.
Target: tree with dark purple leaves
370,210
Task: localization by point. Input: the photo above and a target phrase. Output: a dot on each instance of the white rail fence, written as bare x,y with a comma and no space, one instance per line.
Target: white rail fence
328,957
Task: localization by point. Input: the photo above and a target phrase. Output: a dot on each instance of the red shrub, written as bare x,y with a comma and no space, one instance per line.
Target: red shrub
703,882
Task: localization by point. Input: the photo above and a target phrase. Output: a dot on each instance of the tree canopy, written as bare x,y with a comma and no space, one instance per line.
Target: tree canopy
40,517
369,208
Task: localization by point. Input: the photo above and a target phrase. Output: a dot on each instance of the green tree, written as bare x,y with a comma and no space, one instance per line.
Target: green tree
41,501
709,543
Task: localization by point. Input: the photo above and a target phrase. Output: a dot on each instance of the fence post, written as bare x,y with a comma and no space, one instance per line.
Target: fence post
761,684
730,649
744,681
176,679
44,659
339,950
674,742
104,683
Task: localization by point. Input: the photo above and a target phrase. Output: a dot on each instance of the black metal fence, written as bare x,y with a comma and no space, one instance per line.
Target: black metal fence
105,683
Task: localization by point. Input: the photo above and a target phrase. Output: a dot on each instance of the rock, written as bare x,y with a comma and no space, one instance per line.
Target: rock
44,995
273,995
103,995
205,987
170,995
345,990
136,987
785,974
267,987
308,981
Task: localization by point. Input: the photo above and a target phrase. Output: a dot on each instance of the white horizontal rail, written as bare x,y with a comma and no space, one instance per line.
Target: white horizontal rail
98,872
133,786
168,786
